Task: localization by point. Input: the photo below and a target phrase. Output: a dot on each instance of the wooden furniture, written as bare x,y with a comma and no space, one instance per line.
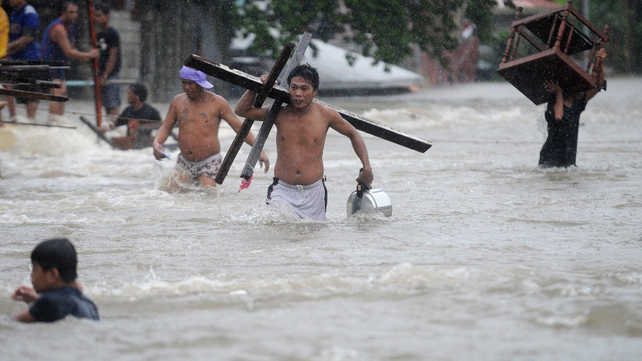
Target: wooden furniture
555,38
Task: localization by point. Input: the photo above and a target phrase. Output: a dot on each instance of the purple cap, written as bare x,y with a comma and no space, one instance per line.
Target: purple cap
195,75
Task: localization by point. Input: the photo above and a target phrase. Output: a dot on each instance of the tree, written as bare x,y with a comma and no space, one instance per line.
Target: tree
385,30
625,43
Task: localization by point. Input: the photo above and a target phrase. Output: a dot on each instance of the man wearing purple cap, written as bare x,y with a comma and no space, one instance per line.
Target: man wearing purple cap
198,113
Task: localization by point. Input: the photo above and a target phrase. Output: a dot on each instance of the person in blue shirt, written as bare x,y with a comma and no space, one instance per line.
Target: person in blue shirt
23,45
55,293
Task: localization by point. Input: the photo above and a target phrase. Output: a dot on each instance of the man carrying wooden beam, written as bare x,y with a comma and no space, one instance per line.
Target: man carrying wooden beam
198,113
301,128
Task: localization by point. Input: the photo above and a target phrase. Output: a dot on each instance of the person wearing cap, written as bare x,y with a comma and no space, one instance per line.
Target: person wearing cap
140,117
198,114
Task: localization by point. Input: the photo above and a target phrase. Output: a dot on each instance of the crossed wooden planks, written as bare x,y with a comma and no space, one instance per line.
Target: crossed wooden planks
280,94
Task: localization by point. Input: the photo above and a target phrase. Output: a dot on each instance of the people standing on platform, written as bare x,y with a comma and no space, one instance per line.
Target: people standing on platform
24,45
301,130
109,61
140,117
58,44
198,114
563,120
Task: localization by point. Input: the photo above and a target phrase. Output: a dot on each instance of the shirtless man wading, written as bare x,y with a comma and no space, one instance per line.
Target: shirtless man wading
301,128
198,113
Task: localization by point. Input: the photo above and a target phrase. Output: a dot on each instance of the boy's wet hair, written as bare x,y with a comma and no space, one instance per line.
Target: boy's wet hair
140,90
103,8
306,72
57,253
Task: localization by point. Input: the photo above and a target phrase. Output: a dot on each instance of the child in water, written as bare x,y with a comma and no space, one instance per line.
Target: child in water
55,293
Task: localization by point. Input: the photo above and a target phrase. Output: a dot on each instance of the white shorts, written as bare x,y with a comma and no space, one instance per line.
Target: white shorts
309,201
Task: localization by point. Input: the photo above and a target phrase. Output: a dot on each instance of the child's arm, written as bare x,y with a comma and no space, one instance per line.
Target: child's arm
24,293
28,295
24,316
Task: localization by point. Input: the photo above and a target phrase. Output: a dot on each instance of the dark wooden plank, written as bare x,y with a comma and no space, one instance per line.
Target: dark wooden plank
268,122
32,95
253,83
234,76
38,124
381,130
95,129
261,95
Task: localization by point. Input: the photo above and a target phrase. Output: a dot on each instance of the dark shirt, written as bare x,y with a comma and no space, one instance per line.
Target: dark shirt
147,112
55,305
108,39
560,148
150,120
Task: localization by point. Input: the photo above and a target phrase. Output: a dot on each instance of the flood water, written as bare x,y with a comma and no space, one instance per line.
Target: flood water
485,257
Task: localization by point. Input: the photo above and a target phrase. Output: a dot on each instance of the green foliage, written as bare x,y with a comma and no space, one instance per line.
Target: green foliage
383,29
624,49
480,12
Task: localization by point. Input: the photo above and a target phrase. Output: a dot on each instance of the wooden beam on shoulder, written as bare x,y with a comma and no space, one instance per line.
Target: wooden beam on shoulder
253,83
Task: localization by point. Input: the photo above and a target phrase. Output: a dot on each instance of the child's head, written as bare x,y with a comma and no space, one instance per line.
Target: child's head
56,253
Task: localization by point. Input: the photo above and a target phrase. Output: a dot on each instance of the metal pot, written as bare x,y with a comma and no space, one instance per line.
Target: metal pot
369,201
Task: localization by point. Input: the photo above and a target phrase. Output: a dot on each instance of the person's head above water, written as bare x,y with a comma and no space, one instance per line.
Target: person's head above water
306,72
196,76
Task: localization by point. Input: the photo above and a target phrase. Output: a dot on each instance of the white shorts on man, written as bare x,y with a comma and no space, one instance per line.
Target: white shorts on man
308,201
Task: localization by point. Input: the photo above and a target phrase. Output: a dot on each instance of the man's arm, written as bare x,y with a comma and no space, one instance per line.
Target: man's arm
19,43
59,36
109,67
558,108
164,131
244,108
29,34
343,127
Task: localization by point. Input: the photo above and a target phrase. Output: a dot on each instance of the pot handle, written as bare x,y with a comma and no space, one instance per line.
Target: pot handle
361,187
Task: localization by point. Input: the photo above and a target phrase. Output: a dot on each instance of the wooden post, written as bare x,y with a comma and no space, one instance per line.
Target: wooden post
513,30
560,32
268,122
598,61
247,124
94,43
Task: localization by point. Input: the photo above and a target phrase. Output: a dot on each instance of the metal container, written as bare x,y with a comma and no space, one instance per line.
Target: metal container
369,201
